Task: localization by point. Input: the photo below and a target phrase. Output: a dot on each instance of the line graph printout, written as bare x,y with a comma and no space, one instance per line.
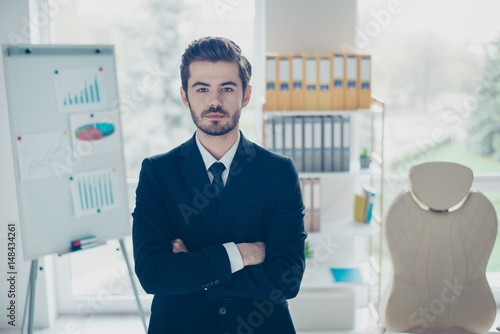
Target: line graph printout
40,154
94,192
80,89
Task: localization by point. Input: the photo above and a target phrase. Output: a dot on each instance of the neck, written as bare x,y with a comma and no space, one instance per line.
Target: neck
217,146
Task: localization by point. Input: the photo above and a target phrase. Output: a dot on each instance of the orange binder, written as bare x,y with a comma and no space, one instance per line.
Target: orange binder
284,89
324,82
271,83
351,91
364,81
338,81
298,86
311,83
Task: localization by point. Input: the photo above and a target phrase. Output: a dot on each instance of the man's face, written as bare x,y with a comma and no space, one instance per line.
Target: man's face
215,96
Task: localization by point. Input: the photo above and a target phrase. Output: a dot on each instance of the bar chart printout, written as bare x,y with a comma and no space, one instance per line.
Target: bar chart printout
80,89
94,192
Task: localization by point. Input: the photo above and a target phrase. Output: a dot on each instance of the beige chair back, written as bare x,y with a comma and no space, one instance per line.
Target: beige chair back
440,236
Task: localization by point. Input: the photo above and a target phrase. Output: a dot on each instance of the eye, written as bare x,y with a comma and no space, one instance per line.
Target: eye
227,89
202,90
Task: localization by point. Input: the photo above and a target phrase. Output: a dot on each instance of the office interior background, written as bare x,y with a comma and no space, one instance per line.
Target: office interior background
434,64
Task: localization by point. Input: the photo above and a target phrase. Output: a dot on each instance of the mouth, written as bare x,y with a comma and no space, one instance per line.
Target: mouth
214,116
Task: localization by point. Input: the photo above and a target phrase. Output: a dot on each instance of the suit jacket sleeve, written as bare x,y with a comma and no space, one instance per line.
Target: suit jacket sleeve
159,269
279,276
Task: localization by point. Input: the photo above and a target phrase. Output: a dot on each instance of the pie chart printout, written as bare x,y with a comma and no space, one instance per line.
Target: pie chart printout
90,132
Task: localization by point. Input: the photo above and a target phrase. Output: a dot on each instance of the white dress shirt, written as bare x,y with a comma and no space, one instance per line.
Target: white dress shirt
232,250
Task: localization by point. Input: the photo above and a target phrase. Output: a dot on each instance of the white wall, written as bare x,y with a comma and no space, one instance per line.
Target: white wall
14,29
312,26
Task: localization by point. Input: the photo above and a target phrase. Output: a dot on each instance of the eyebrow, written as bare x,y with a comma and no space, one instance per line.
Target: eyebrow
227,83
199,83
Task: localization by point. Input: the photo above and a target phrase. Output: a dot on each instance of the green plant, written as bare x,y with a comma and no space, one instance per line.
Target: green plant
309,251
364,152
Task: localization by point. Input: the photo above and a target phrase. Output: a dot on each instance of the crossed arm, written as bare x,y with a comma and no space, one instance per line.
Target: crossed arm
251,253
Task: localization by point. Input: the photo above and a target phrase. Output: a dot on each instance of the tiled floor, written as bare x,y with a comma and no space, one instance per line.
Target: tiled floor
131,324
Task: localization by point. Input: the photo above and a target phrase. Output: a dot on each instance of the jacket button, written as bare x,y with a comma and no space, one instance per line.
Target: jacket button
222,311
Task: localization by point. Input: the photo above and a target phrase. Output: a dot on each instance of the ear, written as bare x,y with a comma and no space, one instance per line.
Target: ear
184,97
246,98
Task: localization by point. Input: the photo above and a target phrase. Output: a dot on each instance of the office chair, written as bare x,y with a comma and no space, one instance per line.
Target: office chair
440,235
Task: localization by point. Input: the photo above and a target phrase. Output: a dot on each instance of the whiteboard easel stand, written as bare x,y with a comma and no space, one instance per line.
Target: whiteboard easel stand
29,307
141,312
30,297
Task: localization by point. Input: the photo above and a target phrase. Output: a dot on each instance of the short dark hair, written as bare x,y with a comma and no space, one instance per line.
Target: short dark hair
215,49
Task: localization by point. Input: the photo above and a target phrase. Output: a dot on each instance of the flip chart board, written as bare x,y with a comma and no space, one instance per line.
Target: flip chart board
67,143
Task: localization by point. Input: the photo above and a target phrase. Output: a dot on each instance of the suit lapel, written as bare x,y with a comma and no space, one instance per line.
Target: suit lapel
241,173
195,176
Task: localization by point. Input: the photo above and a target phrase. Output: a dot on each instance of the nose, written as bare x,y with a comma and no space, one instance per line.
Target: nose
215,100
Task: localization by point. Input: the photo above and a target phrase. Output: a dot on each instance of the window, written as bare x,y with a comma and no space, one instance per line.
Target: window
428,62
432,63
149,38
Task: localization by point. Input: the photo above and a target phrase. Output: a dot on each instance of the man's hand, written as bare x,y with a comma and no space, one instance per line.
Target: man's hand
252,253
178,246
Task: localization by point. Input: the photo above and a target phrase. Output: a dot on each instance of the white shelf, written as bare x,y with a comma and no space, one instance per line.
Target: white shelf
352,172
316,112
320,277
347,227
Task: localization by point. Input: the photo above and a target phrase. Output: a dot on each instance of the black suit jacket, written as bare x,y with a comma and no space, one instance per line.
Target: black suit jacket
195,292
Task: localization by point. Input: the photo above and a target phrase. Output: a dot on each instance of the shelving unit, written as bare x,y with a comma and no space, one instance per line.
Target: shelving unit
341,241
377,155
325,27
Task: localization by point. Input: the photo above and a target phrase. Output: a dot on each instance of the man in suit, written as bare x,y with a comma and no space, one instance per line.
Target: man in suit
218,226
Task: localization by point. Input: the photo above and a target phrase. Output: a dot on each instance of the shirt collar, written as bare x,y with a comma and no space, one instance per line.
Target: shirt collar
227,159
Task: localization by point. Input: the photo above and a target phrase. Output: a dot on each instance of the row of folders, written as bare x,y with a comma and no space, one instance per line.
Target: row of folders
311,196
318,82
314,143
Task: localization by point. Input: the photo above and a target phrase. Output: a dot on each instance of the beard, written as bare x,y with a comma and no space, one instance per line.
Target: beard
216,128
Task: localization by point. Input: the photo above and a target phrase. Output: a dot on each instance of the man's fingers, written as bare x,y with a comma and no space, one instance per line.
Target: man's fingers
178,246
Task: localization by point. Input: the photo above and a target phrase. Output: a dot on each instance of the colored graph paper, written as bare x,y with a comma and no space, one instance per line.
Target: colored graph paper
94,192
80,89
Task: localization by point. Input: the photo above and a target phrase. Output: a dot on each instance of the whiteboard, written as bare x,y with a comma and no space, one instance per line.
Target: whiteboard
67,145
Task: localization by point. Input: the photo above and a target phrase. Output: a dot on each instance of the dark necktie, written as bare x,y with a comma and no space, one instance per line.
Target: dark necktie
216,169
